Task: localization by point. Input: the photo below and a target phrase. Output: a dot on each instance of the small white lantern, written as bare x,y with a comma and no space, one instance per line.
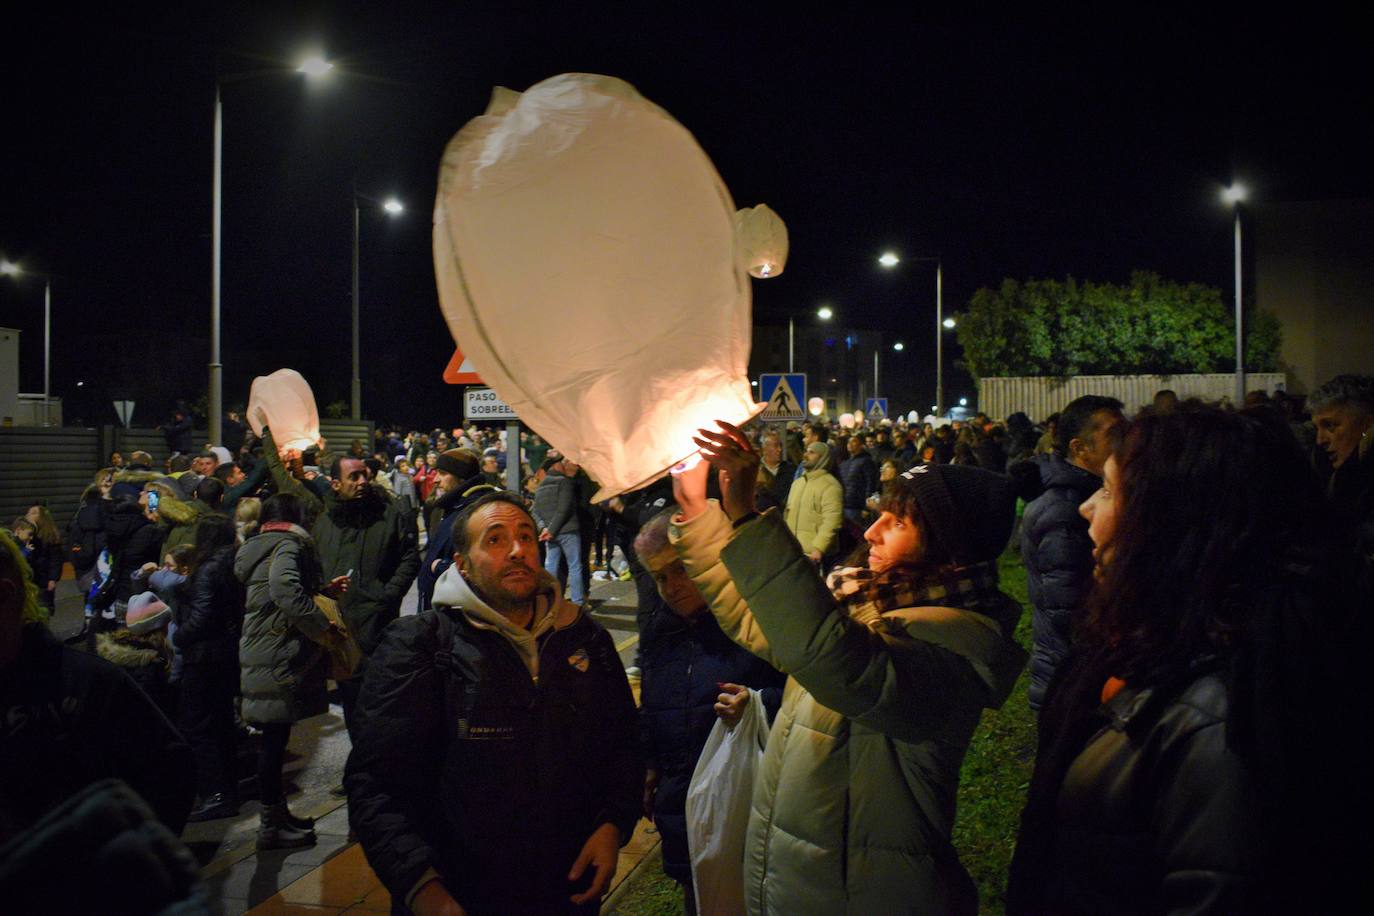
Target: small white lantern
761,239
847,421
284,401
816,406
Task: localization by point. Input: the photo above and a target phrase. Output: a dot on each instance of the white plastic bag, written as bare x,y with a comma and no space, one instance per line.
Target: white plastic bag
718,799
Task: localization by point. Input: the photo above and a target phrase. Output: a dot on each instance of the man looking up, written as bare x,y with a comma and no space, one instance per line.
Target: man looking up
1054,538
815,504
775,463
495,767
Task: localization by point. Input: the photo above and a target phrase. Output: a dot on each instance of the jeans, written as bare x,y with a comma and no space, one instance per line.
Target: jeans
568,544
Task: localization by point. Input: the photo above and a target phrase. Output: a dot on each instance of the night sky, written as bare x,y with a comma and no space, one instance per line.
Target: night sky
1063,147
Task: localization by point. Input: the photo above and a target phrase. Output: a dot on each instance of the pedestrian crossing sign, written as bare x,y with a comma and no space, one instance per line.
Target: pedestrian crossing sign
785,393
877,409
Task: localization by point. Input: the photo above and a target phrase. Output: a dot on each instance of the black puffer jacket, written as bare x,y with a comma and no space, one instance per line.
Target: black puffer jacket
1059,564
71,718
860,478
86,535
683,664
211,609
133,541
465,764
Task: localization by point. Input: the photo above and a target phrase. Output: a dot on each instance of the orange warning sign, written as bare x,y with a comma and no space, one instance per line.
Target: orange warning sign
459,370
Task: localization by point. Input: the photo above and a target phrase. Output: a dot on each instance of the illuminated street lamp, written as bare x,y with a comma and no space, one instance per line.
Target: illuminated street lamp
312,67
824,313
889,260
392,207
899,346
1235,195
11,269
949,324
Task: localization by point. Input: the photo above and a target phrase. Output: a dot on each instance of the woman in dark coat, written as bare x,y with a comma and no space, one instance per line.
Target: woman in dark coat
209,619
283,667
1186,759
48,555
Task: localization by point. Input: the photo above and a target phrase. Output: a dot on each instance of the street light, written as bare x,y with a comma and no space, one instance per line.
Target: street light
11,269
824,313
889,260
312,67
392,207
1235,195
949,324
899,346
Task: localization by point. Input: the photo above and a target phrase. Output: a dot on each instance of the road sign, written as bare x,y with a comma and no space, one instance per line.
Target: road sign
785,393
876,409
459,370
125,411
484,404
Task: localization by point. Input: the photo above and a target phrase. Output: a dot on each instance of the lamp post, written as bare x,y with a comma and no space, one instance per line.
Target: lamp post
312,67
889,260
11,269
1235,196
392,207
824,313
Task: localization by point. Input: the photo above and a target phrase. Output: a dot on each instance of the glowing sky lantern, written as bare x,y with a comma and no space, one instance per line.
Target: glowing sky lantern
815,406
847,421
588,261
762,239
284,401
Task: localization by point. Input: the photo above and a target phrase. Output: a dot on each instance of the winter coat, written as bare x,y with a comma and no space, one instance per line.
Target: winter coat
782,482
283,669
46,562
71,718
209,616
815,510
146,658
490,753
556,504
1139,805
374,536
682,664
178,435
132,541
86,535
859,476
854,801
181,517
1059,564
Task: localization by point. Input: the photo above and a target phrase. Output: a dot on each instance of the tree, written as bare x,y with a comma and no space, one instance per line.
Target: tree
1150,326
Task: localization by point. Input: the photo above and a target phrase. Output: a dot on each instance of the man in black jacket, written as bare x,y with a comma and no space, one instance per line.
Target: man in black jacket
495,764
458,482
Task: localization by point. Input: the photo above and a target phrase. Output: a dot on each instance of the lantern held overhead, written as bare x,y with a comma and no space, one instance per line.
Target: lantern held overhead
564,210
284,401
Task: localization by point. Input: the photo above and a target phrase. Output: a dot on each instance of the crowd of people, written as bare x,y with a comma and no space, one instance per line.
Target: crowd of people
1199,577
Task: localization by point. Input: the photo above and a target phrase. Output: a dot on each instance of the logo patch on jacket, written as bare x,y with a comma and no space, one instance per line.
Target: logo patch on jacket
580,661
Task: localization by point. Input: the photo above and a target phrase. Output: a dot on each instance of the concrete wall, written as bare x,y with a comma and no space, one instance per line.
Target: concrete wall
1314,269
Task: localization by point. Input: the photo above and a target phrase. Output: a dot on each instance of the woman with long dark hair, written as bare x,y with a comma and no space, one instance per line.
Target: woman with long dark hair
891,662
48,555
209,619
1180,743
283,667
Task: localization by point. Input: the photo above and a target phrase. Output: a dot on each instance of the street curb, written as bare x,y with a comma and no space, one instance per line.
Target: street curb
613,899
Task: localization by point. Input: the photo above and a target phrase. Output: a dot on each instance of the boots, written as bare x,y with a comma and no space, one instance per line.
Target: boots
300,823
276,831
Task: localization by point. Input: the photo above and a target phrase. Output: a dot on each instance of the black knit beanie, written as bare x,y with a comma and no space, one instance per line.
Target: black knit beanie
462,463
970,511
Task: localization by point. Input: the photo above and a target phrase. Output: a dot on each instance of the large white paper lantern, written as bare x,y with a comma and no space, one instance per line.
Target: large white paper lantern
846,421
284,401
762,240
586,257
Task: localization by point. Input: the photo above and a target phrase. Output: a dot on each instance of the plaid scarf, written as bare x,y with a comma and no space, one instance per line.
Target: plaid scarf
866,595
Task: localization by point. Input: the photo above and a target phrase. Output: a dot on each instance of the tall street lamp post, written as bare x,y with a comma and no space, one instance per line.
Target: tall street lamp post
392,207
10,269
312,67
1235,196
889,260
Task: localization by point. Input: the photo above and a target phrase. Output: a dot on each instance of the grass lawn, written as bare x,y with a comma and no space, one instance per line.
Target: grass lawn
992,789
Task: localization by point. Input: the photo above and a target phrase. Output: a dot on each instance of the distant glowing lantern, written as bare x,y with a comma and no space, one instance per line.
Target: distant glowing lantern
761,238
859,417
912,416
284,401
847,420
816,406
563,210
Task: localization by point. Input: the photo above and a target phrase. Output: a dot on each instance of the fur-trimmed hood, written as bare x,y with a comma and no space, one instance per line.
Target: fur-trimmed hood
127,650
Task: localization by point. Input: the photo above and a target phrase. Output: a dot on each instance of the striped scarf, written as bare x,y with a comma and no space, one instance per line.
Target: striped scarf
866,595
